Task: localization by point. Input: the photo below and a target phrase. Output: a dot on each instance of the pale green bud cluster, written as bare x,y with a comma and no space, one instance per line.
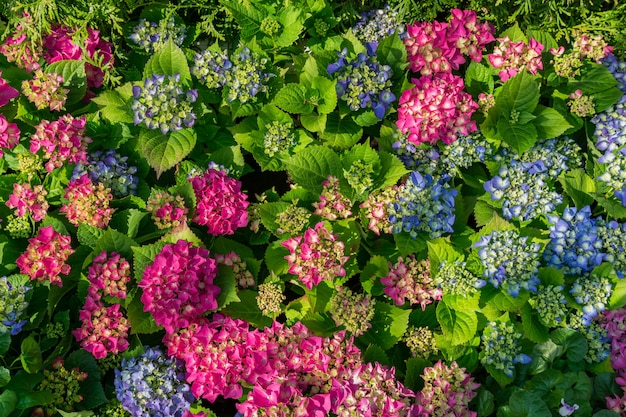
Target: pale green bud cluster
352,310
279,138
18,227
270,298
455,278
598,341
270,26
292,220
421,342
550,304
359,176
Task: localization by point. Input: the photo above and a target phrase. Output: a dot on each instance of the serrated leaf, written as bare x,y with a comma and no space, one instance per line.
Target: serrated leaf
407,245
313,122
144,256
574,343
613,208
527,404
579,186
458,326
269,212
414,371
321,324
596,78
248,310
310,167
247,16
163,152
441,249
388,325
391,51
377,267
375,353
275,258
532,327
140,321
88,235
292,99
327,100
114,107
391,168
225,279
618,297
341,132
114,241
74,78
291,20
549,123
169,60
90,389
519,137
479,78
514,33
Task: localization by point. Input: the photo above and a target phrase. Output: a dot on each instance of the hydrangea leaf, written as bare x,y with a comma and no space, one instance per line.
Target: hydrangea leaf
91,388
549,123
439,250
247,309
514,33
140,321
321,324
269,212
225,279
391,51
326,94
114,241
414,371
532,327
391,169
169,60
479,78
388,325
341,132
528,404
310,167
375,353
314,122
114,107
574,343
519,93
8,401
291,22
377,267
248,17
30,355
88,235
275,258
144,256
5,342
163,152
458,326
74,78
407,245
517,136
618,298
292,98
579,186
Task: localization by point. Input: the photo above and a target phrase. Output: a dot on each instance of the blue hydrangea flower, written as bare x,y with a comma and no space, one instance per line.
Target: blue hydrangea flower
425,204
613,237
574,246
376,24
455,278
593,294
249,76
112,170
211,68
13,306
151,36
598,340
152,385
363,82
510,261
610,130
617,68
500,347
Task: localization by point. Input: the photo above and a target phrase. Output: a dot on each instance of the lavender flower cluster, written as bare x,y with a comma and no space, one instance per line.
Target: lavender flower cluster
376,24
110,169
151,36
13,306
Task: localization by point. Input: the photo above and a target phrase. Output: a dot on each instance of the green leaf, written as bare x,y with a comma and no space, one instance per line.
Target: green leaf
388,325
75,413
291,21
377,267
327,100
140,321
485,403
275,258
163,152
248,310
247,16
341,132
321,324
225,279
573,341
319,296
612,207
605,413
579,186
594,79
169,60
527,404
8,401
414,371
391,168
519,137
440,250
533,329
310,167
74,78
5,342
114,107
519,93
88,235
31,358
144,256
514,33
5,376
292,99
114,241
618,298
313,122
91,389
375,353
549,123
479,78
458,326
391,51
551,276
407,245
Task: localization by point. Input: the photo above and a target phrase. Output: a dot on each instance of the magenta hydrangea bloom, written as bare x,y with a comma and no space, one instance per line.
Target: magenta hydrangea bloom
9,134
7,93
28,199
17,47
512,57
87,203
436,108
45,256
221,205
63,141
315,256
178,285
46,91
410,280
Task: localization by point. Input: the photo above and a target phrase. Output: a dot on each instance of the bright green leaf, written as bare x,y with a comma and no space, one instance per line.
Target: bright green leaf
458,326
8,401
163,152
549,123
247,309
292,99
74,78
519,137
579,186
341,132
519,93
169,60
310,167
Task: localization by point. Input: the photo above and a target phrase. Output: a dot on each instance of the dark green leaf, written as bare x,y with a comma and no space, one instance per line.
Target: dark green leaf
375,353
414,371
114,241
407,245
573,341
144,256
527,404
248,310
140,321
5,342
533,329
341,132
8,401
388,325
376,268
90,389
89,235
391,51
247,16
5,376
225,279
31,358
519,137
163,152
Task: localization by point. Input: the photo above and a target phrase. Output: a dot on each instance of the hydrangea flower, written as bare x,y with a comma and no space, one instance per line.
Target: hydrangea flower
211,68
510,261
18,48
269,298
359,176
598,341
46,90
167,210
376,24
614,323
513,57
447,391
64,385
425,204
332,205
593,294
248,76
610,130
152,385
376,209
410,280
421,341
112,170
243,276
9,134
500,347
151,36
221,205
7,93
103,329
279,138
18,227
455,278
87,203
62,140
45,256
13,306
617,68
550,304
352,310
436,109
178,285
163,104
30,200
581,105
315,256
363,82
613,237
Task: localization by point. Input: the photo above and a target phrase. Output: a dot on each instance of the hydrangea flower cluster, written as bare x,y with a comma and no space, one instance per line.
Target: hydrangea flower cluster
269,298
178,285
64,385
363,82
581,105
613,236
112,170
409,279
551,305
248,76
617,68
46,91
332,205
18,227
152,385
352,310
513,57
376,24
421,342
592,47
292,220
211,68
574,245
279,138
455,278
45,256
167,211
614,322
436,108
221,205
359,176
7,93
151,36
447,391
59,45
18,49
104,329
611,141
13,306
62,140
315,256
29,200
593,294
243,276
424,204
87,203
510,261
9,134
163,104
436,47
29,164
598,341
377,212
500,347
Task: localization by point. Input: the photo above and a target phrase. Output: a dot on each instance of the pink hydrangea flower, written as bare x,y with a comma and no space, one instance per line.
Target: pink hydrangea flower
410,280
87,203
315,256
46,91
332,204
104,329
45,256
436,108
63,141
512,57
17,48
376,205
7,93
109,274
9,134
243,276
28,199
178,285
221,206
470,35
167,211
